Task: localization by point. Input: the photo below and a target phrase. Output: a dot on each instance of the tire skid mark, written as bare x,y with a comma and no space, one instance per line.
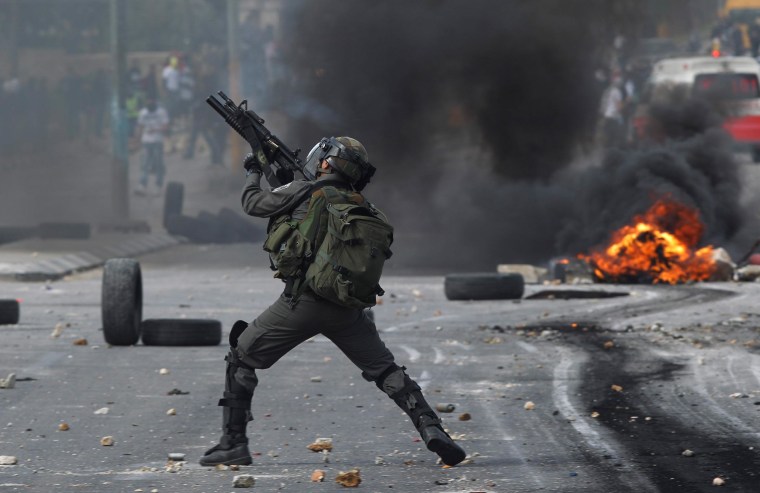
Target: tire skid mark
563,374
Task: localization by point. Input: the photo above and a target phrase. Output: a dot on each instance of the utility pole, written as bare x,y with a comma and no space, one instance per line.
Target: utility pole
233,53
120,152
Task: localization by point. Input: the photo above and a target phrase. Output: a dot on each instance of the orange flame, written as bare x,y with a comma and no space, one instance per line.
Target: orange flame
659,246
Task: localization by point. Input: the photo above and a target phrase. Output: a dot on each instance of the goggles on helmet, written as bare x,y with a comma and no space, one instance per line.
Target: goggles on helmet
330,147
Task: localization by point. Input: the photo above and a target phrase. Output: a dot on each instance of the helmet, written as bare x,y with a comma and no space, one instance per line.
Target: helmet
347,156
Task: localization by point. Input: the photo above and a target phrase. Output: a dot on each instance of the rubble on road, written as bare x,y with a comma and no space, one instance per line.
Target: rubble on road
171,412
8,460
530,273
80,342
616,388
724,266
748,273
163,371
243,481
687,453
349,479
176,456
321,444
8,383
465,417
529,406
177,392
718,482
107,441
317,476
102,410
63,427
58,329
445,408
174,466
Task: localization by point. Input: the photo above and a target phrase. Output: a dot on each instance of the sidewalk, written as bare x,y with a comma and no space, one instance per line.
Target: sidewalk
76,189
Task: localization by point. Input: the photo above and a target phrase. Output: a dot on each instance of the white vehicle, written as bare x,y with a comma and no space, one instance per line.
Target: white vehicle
733,81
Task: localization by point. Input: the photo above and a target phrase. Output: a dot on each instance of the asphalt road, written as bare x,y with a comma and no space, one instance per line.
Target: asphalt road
685,363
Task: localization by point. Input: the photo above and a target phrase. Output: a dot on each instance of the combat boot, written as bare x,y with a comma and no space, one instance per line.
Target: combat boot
438,441
231,450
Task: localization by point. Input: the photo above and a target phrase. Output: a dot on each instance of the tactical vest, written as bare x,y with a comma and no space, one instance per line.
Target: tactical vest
337,250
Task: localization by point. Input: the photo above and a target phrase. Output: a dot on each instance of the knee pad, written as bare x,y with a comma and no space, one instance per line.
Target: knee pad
239,383
237,329
396,383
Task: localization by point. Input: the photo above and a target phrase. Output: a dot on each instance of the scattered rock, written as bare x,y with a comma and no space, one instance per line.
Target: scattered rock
221,467
416,293
465,417
63,427
595,414
171,412
747,273
163,371
529,406
445,407
738,395
531,274
724,266
718,482
616,388
318,476
8,383
176,392
243,481
493,340
687,453
234,467
321,444
102,410
349,479
176,456
379,461
106,441
8,460
174,466
609,345
80,342
440,482
57,330
316,379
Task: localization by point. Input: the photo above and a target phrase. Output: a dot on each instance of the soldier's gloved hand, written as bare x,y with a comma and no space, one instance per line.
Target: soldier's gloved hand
251,164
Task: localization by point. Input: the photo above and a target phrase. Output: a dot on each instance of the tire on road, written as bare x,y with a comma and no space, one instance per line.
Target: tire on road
173,200
484,286
69,231
181,332
121,301
9,312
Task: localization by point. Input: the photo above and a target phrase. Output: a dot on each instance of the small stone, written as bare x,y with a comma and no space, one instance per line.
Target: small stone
349,479
102,410
154,490
8,460
445,407
321,444
595,414
465,417
106,441
221,467
176,456
63,427
738,395
174,466
171,412
163,371
316,379
379,461
529,406
687,453
609,345
718,482
243,481
317,476
234,467
57,330
616,388
80,342
8,383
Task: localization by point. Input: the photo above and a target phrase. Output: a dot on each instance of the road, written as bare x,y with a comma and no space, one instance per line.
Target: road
676,355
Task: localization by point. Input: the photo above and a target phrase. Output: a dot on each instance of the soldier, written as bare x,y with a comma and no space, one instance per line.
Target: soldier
337,163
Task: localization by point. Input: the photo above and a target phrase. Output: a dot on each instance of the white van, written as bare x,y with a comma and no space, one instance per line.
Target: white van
731,80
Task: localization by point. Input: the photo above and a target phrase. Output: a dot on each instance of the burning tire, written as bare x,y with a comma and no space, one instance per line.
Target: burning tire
121,301
9,312
181,332
484,286
173,200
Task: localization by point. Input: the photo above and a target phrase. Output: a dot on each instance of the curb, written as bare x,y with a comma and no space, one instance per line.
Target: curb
90,257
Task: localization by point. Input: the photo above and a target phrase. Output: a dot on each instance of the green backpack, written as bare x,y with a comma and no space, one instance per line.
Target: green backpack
338,250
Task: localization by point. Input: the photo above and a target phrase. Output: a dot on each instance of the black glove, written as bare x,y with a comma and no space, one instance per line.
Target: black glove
251,164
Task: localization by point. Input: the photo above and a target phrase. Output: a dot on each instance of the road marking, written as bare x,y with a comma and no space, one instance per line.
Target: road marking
527,347
597,445
414,355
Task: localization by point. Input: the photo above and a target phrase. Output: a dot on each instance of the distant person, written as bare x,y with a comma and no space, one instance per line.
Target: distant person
171,78
613,103
152,122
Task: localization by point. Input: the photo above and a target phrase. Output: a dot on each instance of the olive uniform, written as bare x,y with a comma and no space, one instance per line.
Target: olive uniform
286,324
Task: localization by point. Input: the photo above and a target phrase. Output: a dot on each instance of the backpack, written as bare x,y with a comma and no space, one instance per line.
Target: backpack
337,250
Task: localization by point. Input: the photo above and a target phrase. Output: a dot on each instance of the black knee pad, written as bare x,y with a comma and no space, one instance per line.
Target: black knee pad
396,383
237,329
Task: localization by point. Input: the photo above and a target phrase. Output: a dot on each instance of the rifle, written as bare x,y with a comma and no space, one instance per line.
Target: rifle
251,127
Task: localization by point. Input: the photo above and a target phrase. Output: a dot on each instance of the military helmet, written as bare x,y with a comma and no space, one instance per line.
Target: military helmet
346,155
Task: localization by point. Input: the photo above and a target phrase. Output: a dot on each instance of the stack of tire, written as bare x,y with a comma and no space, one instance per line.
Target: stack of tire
484,286
225,227
9,312
121,306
